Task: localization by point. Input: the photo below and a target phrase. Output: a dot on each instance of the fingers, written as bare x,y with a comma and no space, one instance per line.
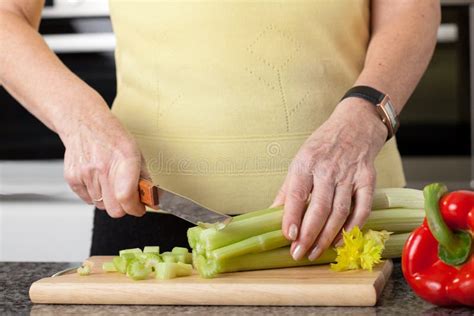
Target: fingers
298,190
112,206
75,183
362,207
340,211
315,217
125,185
91,180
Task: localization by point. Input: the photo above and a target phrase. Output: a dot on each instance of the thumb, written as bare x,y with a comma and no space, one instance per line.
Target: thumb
281,195
125,184
144,172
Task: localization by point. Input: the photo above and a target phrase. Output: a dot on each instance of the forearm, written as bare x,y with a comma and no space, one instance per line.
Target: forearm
34,75
402,42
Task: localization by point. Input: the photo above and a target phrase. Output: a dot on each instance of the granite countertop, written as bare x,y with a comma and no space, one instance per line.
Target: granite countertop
16,278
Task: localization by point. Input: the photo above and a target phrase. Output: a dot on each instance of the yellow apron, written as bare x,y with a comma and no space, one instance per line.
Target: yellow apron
220,95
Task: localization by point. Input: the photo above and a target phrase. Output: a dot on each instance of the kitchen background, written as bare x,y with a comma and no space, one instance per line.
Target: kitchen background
38,210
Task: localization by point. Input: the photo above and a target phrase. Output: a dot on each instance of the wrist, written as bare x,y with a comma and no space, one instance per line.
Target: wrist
86,114
360,112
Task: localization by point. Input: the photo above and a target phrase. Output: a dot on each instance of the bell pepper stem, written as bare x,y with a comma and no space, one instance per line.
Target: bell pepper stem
438,227
454,247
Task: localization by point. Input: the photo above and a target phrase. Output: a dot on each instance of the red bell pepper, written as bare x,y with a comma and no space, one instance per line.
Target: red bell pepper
438,259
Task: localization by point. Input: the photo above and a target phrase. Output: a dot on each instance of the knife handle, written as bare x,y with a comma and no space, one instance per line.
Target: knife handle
148,193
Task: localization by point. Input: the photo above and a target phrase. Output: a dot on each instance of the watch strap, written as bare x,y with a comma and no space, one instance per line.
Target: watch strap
365,92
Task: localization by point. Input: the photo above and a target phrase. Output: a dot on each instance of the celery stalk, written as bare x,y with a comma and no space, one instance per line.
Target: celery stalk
259,243
394,245
240,230
256,213
277,258
398,198
194,234
396,220
281,258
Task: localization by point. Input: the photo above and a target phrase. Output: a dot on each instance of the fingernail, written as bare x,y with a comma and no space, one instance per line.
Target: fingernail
314,254
297,253
339,243
293,232
275,204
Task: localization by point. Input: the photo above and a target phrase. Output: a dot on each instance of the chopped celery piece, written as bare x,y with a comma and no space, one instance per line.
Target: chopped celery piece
137,270
168,258
120,264
398,198
84,270
179,250
109,267
184,258
152,249
130,253
150,259
170,270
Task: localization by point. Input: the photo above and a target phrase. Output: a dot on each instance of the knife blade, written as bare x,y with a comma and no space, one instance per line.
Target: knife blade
180,206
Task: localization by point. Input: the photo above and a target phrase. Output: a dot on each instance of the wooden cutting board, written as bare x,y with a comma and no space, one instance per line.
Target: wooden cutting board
314,285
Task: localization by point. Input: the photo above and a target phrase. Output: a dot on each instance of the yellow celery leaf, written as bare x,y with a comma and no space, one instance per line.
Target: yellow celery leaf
360,250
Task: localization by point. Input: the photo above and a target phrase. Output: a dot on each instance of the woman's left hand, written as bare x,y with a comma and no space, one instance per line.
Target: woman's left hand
335,167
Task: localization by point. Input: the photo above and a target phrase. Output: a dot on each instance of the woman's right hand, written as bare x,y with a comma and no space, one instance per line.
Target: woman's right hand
103,163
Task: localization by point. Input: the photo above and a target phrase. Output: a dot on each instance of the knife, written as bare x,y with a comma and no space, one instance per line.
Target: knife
180,206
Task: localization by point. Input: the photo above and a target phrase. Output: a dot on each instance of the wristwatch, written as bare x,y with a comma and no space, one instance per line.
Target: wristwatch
382,103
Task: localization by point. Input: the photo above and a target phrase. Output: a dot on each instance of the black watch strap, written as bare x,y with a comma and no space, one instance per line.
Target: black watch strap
367,93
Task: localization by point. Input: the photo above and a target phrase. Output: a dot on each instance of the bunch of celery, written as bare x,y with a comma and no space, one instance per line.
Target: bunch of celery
139,265
254,240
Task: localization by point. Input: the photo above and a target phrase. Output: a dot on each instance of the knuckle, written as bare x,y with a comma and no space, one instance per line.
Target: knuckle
75,183
341,212
368,177
306,239
69,177
324,241
86,170
115,213
327,171
101,167
319,212
298,194
124,196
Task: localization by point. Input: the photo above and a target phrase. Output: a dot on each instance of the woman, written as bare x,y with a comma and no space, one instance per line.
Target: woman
216,98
